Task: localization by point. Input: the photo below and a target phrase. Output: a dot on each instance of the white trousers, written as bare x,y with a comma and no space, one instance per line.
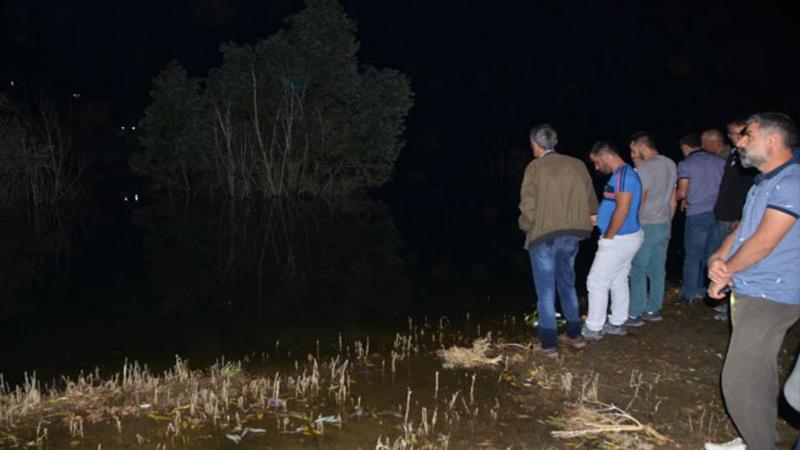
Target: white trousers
609,272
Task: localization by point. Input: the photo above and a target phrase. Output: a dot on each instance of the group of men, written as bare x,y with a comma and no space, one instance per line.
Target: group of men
742,206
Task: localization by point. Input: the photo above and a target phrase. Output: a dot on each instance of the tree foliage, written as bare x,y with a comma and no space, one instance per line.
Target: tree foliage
291,114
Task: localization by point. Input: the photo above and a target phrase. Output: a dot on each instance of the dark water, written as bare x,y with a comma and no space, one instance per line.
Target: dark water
91,286
85,287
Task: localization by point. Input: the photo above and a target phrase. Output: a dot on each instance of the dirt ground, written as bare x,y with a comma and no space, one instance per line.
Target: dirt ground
665,374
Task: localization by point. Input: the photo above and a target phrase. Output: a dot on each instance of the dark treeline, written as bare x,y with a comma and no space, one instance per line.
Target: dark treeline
292,114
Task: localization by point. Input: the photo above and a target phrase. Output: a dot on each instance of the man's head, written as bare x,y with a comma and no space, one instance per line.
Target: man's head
689,144
643,147
767,138
734,129
543,138
605,157
713,141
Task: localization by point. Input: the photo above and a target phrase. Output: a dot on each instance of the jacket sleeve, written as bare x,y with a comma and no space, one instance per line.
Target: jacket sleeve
527,199
591,194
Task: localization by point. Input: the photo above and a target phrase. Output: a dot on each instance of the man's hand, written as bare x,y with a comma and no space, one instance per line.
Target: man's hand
717,290
593,218
718,270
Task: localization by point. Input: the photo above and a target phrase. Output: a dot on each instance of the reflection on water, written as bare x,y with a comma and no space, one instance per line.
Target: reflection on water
92,286
276,263
197,279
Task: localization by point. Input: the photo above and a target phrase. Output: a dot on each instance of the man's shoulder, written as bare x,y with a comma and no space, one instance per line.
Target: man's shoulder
560,159
628,171
791,174
657,163
706,157
665,161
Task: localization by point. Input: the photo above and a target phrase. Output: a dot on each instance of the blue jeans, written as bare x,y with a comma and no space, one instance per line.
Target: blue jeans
701,239
649,264
553,266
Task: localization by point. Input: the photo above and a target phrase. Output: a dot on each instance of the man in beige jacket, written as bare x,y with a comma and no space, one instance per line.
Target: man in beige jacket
557,200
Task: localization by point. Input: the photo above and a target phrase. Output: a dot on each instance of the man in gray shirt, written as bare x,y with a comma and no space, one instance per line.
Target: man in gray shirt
659,176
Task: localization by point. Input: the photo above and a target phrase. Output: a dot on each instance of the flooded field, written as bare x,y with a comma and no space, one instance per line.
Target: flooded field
324,326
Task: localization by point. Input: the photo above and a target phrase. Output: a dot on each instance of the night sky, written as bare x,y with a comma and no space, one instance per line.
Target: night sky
483,72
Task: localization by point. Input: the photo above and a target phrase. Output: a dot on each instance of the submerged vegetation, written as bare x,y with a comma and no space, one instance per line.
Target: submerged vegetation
386,392
292,114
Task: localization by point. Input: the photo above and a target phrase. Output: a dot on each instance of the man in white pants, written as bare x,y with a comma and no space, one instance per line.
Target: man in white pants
620,239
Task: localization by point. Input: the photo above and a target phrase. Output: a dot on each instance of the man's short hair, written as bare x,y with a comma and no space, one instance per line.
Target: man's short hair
776,122
690,140
544,136
600,147
643,138
738,121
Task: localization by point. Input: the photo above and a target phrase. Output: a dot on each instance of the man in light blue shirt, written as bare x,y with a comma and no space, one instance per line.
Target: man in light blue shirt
760,260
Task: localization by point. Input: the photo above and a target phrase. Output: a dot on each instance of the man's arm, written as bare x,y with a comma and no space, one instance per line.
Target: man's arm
717,266
682,192
592,195
644,201
527,199
773,228
673,202
624,200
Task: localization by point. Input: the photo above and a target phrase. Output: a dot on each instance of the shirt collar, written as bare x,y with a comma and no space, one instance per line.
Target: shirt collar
697,152
766,176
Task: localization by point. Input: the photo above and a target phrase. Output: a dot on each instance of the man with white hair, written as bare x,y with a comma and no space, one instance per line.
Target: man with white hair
557,201
759,261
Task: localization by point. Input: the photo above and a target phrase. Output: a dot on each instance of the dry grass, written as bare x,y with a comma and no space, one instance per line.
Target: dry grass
463,357
590,418
179,399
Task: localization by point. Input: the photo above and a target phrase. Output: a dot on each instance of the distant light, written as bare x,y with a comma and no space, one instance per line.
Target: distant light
12,83
136,197
76,95
126,198
133,128
122,128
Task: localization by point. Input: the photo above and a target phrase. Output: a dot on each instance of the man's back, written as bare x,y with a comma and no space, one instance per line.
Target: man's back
624,179
557,196
704,172
658,175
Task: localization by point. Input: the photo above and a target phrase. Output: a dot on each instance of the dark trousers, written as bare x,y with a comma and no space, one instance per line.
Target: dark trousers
750,375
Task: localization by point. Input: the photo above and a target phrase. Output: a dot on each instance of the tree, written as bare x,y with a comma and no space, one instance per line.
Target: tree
37,161
174,152
289,115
